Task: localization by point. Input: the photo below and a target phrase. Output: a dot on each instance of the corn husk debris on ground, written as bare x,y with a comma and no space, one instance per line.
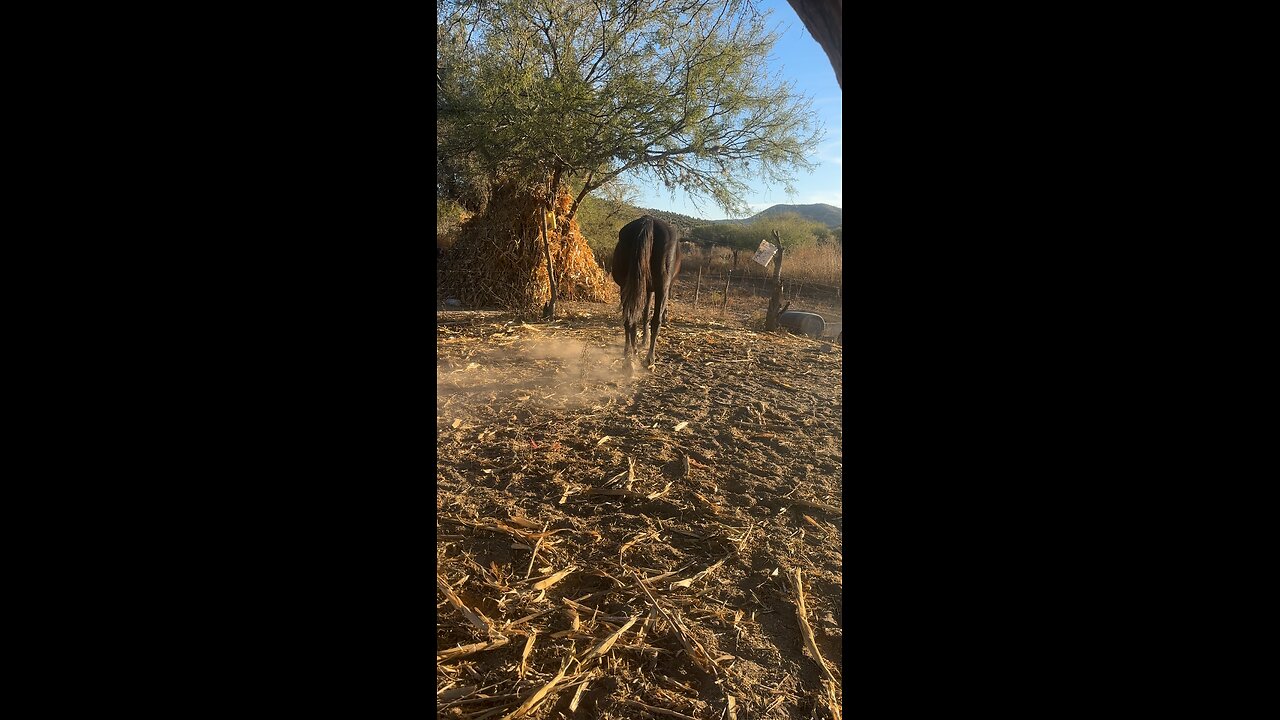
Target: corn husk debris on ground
658,573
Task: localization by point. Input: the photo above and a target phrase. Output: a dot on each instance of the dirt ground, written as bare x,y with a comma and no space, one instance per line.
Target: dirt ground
617,546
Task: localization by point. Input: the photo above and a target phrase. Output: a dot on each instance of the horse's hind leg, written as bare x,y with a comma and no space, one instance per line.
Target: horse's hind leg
644,320
628,341
659,309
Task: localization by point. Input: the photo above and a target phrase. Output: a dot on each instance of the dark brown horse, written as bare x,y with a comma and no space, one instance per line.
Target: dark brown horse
645,262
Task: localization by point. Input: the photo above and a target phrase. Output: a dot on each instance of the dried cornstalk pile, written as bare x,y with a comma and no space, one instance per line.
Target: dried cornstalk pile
498,259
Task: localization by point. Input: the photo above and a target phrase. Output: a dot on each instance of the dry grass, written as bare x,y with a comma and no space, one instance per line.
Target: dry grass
814,263
816,268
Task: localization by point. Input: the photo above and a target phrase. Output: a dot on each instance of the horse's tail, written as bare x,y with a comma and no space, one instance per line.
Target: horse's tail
638,275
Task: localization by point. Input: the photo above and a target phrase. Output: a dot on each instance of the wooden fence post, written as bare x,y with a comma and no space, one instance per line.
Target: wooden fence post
775,298
697,288
725,302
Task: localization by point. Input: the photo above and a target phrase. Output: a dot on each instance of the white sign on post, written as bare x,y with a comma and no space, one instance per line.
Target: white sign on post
765,252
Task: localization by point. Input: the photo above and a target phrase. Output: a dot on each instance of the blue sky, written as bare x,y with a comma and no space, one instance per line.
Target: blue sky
796,57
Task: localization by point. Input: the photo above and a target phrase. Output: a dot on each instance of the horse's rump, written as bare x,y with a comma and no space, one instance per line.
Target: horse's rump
645,260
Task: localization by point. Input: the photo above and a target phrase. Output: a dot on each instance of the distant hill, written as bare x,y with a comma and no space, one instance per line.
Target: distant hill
684,222
828,215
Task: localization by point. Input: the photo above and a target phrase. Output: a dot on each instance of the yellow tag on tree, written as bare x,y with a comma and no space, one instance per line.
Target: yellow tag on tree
551,220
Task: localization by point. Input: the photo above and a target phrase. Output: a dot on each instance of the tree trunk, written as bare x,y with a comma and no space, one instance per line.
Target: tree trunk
550,311
586,188
724,303
553,192
697,288
824,21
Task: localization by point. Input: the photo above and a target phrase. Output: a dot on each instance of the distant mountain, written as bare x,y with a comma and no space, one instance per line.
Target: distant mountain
828,215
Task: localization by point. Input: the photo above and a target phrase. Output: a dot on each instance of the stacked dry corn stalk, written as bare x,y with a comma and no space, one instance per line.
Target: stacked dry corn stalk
498,259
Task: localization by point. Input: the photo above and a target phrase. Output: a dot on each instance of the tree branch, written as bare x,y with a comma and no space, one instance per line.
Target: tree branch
586,188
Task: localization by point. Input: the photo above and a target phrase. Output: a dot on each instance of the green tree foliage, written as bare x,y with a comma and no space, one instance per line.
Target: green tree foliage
599,222
683,223
796,232
552,92
710,235
603,213
738,238
449,216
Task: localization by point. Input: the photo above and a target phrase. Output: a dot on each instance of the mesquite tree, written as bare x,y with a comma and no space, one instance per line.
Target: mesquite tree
559,94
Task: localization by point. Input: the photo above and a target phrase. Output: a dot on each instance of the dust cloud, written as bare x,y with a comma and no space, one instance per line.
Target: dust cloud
550,372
